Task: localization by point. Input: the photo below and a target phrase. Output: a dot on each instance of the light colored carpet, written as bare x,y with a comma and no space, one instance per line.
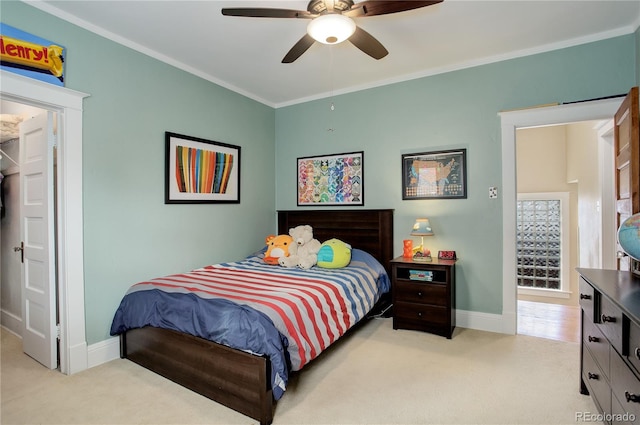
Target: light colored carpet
376,375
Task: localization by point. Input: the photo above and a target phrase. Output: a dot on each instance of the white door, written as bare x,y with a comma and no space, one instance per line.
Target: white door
39,335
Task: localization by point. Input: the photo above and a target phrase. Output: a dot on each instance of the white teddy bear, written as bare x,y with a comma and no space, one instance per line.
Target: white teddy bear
303,252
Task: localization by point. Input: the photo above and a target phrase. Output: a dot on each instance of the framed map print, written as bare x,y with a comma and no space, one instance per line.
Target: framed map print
435,175
331,179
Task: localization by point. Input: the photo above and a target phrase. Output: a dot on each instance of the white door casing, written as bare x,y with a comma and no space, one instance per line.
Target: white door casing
535,117
39,335
68,105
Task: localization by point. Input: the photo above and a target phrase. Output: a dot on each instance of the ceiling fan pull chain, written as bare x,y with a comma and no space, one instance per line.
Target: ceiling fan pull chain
332,106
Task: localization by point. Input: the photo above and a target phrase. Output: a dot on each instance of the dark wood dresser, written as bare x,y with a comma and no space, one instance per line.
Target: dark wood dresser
424,295
610,348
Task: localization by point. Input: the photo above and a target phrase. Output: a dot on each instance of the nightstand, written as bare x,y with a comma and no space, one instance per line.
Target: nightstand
424,295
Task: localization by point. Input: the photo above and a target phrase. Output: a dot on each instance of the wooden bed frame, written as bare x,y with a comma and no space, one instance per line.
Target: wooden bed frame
234,378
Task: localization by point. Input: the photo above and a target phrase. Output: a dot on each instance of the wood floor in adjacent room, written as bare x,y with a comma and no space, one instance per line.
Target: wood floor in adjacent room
551,321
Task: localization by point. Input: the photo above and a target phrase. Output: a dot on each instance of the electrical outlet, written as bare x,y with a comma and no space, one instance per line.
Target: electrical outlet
493,192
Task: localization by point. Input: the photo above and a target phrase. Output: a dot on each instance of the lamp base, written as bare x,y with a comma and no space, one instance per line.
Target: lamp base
421,257
421,254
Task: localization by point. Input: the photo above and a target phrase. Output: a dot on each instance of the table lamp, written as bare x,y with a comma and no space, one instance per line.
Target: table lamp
421,228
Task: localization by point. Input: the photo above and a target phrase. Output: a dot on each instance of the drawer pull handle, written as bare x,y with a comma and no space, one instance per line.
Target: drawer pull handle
609,319
420,294
594,339
585,296
637,352
419,314
593,375
635,398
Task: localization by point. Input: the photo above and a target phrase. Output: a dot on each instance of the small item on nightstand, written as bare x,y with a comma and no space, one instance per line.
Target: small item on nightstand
421,275
421,256
446,255
407,251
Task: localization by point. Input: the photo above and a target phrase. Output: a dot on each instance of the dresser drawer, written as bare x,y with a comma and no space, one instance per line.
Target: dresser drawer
619,416
587,299
610,323
596,382
597,344
625,386
420,313
421,292
634,345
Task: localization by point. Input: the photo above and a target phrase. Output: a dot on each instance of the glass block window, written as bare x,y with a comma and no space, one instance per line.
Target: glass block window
539,243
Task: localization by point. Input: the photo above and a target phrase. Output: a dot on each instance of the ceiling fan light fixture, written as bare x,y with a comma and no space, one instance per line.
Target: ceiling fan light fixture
331,29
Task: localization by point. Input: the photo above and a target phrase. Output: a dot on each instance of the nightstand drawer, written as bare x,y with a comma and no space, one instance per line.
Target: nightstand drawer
420,292
420,313
424,295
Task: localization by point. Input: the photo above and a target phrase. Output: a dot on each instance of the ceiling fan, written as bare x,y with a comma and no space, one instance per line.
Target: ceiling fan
332,23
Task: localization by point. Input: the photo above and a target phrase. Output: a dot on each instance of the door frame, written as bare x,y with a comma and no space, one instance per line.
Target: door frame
606,154
70,242
510,122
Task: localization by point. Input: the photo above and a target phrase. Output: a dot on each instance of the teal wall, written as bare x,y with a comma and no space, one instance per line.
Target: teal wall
129,233
638,56
448,111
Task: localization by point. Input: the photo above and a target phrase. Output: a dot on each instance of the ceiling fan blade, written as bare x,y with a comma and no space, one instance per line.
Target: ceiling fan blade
385,7
267,13
368,44
299,48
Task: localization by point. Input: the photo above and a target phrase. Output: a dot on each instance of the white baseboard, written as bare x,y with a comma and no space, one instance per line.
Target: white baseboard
11,322
500,323
103,351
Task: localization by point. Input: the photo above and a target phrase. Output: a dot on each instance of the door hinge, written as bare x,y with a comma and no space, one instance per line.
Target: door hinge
58,331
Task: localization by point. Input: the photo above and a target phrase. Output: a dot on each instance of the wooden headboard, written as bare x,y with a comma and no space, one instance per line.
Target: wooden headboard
368,230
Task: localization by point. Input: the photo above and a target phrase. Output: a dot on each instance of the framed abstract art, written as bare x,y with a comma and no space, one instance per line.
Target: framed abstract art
326,180
200,171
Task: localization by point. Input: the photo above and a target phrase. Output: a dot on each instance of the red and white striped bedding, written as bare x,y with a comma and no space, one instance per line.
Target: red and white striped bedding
311,308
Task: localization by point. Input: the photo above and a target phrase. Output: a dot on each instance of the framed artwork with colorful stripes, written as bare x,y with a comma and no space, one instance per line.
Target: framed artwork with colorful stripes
327,180
200,171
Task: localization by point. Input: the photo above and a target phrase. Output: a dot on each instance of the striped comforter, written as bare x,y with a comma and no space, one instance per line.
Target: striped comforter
291,315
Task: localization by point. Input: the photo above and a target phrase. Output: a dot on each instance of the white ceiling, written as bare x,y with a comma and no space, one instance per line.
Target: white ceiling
244,54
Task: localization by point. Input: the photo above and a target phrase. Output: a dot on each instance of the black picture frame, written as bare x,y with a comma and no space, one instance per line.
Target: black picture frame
200,171
331,180
434,175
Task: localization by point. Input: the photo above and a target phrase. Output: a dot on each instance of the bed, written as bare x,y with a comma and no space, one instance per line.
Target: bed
236,377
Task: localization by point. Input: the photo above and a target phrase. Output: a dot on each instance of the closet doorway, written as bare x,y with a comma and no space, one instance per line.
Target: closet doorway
28,239
68,105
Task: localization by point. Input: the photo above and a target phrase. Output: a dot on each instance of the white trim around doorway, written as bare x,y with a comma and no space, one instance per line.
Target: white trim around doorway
68,104
510,122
